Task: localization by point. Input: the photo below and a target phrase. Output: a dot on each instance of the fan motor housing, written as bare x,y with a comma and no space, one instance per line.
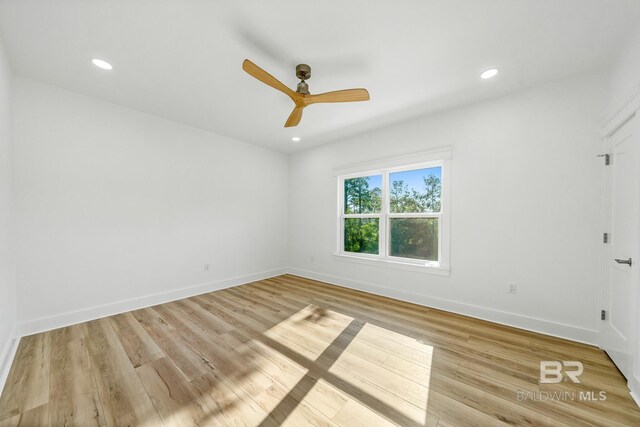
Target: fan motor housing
303,71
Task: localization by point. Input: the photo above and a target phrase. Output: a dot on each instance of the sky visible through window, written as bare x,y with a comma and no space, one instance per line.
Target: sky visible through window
415,178
375,181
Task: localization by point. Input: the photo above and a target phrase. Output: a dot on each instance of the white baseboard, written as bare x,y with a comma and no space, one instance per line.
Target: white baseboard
83,315
634,388
7,355
561,330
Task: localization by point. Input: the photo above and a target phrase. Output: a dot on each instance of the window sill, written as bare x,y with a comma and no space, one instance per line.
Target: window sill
436,270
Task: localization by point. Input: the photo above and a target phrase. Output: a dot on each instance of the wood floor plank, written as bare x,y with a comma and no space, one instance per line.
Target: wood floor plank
140,347
294,351
455,413
203,317
356,414
124,400
171,343
74,395
27,386
177,402
34,417
229,403
10,422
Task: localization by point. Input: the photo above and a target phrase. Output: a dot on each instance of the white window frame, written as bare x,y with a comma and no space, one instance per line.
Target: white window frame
440,159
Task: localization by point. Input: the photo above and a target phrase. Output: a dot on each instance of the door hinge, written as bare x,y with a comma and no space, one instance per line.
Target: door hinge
603,315
607,158
605,237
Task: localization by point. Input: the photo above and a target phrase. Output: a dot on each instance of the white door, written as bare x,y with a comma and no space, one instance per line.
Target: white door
622,258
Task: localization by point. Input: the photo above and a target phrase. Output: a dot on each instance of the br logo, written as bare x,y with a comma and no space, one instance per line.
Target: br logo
551,371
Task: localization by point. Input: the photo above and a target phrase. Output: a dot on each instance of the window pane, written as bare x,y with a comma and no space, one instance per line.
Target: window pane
415,191
414,238
361,235
363,195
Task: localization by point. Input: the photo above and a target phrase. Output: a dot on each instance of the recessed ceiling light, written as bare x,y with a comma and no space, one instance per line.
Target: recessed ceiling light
296,139
490,73
100,63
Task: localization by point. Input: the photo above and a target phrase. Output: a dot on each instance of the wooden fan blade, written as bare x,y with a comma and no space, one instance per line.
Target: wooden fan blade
347,95
266,78
294,117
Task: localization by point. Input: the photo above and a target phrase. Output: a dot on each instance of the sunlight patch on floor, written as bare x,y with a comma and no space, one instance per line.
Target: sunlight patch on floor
351,372
373,362
309,331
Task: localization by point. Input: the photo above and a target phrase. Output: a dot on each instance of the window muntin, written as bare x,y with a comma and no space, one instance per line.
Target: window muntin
408,218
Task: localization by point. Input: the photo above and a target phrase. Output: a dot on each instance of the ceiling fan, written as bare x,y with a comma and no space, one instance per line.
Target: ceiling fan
301,97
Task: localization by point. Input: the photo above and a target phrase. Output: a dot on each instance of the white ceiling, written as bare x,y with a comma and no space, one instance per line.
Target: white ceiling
181,59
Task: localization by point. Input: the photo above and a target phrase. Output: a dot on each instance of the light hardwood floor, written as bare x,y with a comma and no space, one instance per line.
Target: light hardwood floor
299,352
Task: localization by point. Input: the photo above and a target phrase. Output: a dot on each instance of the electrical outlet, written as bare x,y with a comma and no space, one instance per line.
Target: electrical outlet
512,288
206,267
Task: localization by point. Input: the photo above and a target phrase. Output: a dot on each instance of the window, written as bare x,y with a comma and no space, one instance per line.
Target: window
397,214
362,214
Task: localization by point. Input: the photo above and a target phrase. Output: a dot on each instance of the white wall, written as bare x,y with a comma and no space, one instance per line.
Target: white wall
526,207
114,205
625,73
7,265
